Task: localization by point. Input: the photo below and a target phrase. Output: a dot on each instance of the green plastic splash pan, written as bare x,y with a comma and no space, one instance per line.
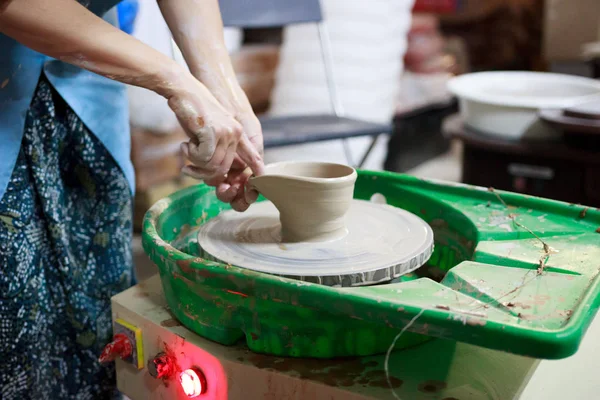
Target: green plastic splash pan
491,291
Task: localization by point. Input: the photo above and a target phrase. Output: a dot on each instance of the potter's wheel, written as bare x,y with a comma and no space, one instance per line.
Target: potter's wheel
383,242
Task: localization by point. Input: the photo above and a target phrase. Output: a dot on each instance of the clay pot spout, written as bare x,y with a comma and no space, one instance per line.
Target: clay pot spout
312,198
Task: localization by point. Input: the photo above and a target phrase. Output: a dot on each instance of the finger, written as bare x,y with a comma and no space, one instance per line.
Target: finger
185,149
225,166
239,204
251,195
257,141
220,171
196,172
215,180
226,192
253,130
214,164
238,164
250,156
202,147
240,178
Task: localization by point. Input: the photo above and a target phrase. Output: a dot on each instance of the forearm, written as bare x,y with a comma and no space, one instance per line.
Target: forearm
197,28
65,30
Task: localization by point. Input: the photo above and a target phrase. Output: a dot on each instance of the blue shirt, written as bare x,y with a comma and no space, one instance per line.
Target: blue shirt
100,102
127,10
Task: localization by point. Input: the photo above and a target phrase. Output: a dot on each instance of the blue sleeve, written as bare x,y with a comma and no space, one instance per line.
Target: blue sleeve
127,10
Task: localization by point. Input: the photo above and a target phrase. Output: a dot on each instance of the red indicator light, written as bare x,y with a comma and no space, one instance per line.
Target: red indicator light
193,382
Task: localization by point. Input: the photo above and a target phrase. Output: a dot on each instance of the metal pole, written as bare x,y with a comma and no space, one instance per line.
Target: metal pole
371,147
336,104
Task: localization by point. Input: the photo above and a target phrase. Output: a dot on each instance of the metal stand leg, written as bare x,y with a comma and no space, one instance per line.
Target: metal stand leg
336,104
327,58
347,152
371,147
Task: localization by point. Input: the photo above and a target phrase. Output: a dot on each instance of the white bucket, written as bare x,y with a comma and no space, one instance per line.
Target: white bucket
505,104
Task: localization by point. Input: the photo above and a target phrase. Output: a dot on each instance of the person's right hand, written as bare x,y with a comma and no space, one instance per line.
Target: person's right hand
216,137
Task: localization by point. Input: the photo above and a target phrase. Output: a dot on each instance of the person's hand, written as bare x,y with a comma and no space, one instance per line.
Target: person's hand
233,187
216,139
243,113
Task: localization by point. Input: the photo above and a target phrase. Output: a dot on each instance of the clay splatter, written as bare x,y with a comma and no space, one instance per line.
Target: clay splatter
476,321
170,323
341,372
431,386
517,304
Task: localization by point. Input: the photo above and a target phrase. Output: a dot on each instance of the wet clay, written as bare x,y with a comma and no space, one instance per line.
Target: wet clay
382,243
312,198
313,230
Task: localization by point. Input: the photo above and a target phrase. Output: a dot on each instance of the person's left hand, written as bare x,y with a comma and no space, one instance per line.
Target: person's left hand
233,188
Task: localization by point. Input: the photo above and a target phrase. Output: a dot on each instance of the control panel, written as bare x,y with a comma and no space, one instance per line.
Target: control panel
156,357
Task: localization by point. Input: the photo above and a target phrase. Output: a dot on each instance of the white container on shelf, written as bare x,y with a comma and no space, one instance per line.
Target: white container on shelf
506,104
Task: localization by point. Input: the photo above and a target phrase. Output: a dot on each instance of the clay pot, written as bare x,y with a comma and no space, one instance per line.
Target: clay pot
312,198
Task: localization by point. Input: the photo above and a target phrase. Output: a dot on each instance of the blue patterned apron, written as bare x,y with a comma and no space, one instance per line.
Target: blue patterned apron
65,225
65,249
